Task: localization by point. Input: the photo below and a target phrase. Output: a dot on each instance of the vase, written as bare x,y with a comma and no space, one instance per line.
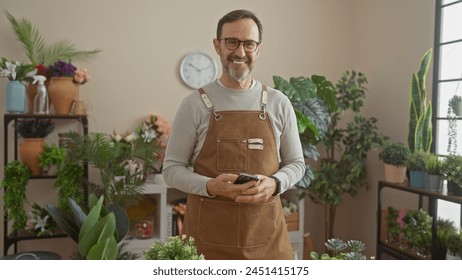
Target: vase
62,92
78,107
29,152
394,173
434,182
15,97
417,179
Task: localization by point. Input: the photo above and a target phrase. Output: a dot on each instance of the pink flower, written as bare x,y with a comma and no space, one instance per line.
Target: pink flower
81,76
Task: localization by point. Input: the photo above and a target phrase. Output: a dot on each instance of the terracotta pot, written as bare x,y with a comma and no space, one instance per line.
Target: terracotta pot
62,92
395,174
29,152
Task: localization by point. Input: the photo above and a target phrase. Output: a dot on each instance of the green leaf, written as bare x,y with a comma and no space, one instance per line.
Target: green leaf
104,228
304,87
105,249
65,222
285,87
78,213
92,218
122,220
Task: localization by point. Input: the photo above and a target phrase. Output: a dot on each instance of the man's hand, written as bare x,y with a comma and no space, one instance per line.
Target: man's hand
223,185
259,192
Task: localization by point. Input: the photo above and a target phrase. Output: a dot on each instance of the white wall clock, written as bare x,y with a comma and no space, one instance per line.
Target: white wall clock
198,69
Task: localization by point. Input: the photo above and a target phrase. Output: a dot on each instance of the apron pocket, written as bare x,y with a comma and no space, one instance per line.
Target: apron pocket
231,154
217,224
223,223
257,224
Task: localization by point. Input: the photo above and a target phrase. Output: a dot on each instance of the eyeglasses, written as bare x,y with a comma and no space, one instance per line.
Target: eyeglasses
233,44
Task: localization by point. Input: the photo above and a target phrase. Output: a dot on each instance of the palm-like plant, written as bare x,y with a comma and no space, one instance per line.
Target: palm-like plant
109,156
40,53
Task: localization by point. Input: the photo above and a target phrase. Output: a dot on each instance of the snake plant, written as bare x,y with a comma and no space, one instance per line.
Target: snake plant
420,121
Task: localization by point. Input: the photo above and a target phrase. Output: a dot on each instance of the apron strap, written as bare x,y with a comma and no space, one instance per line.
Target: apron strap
209,105
264,101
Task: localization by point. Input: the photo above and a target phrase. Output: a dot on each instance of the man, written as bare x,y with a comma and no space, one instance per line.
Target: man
233,125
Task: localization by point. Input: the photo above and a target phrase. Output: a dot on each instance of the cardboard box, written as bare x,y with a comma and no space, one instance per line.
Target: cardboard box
292,221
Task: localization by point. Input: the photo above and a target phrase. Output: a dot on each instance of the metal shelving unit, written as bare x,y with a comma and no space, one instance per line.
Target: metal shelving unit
14,237
421,194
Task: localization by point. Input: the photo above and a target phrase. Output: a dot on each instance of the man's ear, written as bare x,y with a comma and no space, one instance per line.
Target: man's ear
216,44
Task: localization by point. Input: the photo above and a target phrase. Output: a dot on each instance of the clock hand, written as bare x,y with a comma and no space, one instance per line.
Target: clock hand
205,68
197,69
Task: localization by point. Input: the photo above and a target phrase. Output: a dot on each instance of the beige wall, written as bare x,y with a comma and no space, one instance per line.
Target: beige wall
143,42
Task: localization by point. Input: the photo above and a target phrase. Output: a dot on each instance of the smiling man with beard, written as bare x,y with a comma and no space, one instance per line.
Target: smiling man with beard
235,125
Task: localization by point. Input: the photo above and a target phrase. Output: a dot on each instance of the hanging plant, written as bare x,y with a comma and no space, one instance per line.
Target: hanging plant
14,183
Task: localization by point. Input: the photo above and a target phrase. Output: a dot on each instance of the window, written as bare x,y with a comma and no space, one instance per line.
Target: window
447,77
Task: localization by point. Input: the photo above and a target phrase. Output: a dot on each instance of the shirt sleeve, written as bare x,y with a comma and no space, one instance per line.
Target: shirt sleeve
182,142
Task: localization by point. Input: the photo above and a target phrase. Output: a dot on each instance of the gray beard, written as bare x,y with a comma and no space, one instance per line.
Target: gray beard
238,77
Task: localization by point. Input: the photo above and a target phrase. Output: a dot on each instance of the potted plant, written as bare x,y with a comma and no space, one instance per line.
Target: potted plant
416,165
454,246
14,183
52,158
444,229
175,248
452,170
97,233
33,132
346,144
417,229
62,89
15,90
420,124
341,250
394,157
393,225
433,169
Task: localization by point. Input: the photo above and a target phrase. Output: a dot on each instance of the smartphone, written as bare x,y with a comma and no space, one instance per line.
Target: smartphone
245,177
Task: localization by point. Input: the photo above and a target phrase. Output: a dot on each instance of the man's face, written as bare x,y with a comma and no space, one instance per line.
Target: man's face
238,64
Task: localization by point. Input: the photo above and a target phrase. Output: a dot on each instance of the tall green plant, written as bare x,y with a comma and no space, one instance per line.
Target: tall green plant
343,169
311,99
40,53
420,119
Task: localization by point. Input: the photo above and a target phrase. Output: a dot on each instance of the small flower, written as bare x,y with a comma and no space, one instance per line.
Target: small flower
61,69
81,76
41,69
129,138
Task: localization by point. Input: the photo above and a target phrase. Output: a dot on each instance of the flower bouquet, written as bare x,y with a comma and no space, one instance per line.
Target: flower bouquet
16,71
155,129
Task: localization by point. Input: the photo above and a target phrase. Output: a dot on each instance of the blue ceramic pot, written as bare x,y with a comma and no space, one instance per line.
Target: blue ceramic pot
15,97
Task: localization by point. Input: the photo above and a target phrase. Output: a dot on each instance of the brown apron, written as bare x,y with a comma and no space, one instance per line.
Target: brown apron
237,141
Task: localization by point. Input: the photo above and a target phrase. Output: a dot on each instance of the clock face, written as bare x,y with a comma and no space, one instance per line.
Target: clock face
198,69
